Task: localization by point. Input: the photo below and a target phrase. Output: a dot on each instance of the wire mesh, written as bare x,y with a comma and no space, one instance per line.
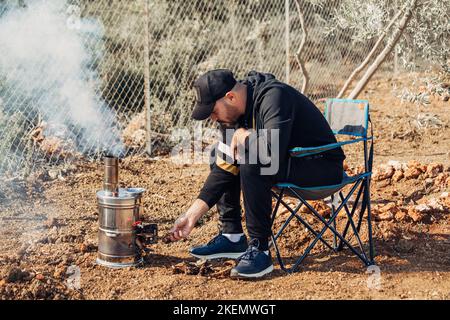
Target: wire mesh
73,74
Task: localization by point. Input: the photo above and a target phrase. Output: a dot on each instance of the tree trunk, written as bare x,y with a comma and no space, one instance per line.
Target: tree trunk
385,52
299,60
370,55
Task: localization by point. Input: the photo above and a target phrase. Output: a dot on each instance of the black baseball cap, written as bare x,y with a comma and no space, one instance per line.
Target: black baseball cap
210,87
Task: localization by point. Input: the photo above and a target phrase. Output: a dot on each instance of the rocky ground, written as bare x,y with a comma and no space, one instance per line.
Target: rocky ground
48,226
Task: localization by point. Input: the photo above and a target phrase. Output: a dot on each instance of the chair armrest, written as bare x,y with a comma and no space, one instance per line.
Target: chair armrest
299,152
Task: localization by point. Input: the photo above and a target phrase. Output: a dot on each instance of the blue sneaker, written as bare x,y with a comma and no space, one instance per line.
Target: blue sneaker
220,247
253,264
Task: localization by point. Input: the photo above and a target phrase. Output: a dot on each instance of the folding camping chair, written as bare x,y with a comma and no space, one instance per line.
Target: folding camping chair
349,118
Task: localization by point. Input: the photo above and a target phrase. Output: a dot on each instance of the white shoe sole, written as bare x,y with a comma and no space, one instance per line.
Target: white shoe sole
251,275
231,255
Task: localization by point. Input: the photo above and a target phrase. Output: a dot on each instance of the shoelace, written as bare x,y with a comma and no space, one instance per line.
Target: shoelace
250,253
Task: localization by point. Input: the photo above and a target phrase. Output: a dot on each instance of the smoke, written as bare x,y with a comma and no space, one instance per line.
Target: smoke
48,57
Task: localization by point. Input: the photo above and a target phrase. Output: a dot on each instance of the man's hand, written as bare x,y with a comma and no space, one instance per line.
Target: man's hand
238,140
181,229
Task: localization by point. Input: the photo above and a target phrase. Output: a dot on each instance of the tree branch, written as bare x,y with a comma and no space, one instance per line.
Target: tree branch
299,60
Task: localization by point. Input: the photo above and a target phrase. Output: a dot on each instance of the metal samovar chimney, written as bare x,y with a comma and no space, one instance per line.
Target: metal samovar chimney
111,177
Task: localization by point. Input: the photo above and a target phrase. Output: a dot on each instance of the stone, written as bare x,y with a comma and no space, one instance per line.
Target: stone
401,216
435,205
385,216
87,247
397,165
434,169
412,173
423,208
441,179
415,215
16,275
384,172
390,207
40,277
398,175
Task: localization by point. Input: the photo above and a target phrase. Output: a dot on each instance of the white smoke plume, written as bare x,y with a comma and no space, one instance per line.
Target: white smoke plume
47,62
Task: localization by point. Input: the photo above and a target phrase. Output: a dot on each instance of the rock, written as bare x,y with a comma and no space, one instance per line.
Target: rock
435,205
412,173
434,169
87,247
415,169
401,216
421,167
40,277
385,216
384,172
423,208
390,207
17,275
415,215
385,212
397,165
441,179
398,175
320,206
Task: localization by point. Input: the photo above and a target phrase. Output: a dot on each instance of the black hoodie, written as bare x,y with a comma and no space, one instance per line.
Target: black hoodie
272,104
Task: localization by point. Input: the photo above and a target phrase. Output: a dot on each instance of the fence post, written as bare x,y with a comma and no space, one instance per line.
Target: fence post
147,80
287,21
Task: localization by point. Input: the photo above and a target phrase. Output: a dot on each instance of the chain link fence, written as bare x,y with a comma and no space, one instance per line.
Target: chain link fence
79,78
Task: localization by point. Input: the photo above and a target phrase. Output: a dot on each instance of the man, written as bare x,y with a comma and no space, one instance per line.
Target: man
279,118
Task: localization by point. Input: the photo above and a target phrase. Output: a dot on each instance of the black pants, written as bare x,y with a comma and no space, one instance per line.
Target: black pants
256,188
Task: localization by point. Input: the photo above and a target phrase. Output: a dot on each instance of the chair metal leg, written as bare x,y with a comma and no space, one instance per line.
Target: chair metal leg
364,190
355,232
334,222
328,224
302,221
369,224
340,247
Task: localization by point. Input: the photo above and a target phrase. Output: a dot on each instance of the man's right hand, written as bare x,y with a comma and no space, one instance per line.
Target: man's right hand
181,229
186,222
